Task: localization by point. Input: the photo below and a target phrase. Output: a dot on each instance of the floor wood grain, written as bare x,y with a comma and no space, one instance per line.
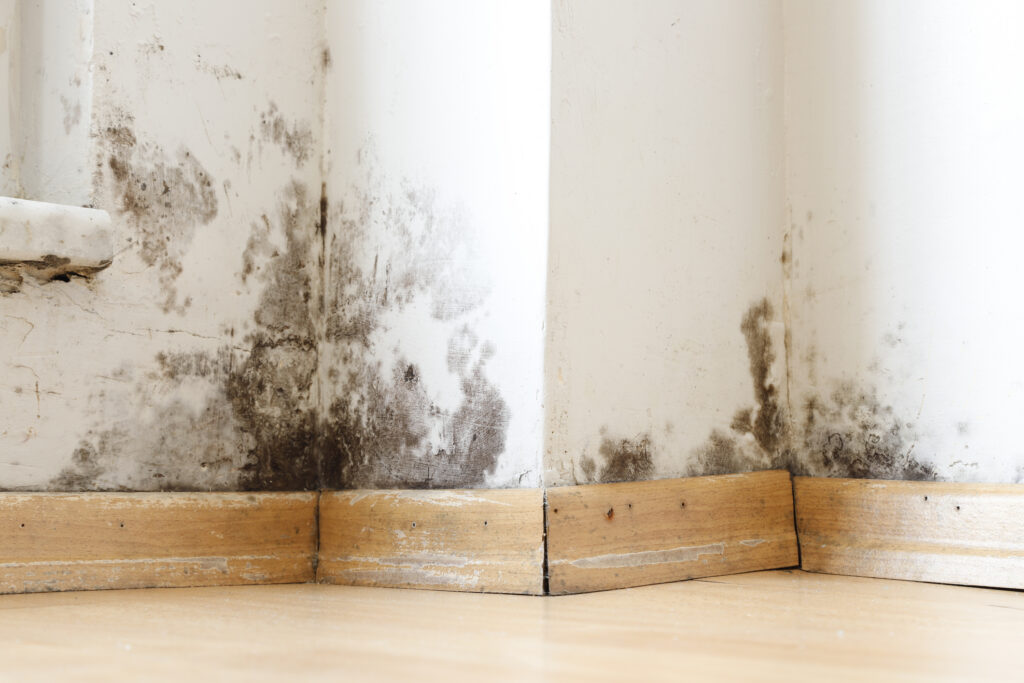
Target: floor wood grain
768,626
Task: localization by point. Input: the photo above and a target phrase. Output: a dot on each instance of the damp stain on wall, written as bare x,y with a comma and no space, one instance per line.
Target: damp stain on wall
240,415
847,432
163,197
623,460
395,248
295,138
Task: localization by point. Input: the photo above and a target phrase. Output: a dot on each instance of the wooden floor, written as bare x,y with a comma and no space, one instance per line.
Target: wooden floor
780,625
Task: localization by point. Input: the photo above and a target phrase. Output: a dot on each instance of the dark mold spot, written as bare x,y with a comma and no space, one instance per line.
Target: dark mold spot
257,427
768,424
325,59
626,459
296,139
383,425
164,199
849,433
853,434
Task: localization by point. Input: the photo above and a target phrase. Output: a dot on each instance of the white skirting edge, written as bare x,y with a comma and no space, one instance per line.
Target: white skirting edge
47,240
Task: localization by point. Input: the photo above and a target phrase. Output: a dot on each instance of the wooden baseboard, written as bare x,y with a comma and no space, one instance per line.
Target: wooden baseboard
607,536
970,534
88,541
469,540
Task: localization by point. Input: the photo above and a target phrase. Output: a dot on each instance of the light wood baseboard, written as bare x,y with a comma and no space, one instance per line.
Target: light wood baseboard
89,541
468,540
970,534
607,536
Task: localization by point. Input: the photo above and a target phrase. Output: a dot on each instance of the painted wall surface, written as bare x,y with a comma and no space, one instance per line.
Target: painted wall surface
905,159
437,150
190,362
781,234
45,72
666,326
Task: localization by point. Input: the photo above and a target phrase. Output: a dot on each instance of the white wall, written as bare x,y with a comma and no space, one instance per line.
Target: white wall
45,145
189,363
437,150
667,207
905,153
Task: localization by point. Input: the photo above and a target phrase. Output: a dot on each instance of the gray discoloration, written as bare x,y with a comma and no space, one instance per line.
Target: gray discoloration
849,433
383,439
626,459
295,138
72,113
163,198
255,425
385,427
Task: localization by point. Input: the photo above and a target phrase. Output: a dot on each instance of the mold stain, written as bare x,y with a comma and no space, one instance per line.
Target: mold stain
164,199
233,416
396,247
848,433
625,459
295,138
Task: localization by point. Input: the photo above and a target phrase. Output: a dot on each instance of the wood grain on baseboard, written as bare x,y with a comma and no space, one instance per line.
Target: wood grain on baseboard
89,541
970,534
464,540
605,536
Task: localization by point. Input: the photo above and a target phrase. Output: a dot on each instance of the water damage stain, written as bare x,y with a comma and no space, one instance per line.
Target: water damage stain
295,138
303,400
397,250
163,197
624,459
234,416
850,432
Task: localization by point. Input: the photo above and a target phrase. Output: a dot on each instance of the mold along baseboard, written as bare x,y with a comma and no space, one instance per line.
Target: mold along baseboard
70,541
529,541
971,534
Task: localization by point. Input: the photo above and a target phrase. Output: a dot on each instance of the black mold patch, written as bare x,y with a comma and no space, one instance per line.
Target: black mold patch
853,434
296,138
384,427
271,393
378,436
849,433
164,199
626,459
256,428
